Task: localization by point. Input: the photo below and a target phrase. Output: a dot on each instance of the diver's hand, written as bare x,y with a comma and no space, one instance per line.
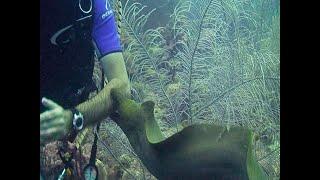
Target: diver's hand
55,122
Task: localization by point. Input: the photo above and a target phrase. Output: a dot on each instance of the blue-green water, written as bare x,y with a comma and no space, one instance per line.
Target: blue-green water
201,61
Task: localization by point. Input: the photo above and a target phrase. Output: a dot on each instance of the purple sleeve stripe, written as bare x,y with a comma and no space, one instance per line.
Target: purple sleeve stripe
104,32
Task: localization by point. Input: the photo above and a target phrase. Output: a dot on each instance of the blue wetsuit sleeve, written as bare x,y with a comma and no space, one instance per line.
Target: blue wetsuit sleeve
104,30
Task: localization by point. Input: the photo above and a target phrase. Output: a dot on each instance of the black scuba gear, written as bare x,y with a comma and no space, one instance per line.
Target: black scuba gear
65,70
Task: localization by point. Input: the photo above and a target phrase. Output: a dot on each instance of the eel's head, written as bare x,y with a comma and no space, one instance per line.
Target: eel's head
128,114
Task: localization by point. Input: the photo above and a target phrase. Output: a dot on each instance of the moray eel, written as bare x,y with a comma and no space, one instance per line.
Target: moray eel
197,152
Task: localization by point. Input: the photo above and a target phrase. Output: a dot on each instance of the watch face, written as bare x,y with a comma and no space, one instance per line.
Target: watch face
79,122
90,173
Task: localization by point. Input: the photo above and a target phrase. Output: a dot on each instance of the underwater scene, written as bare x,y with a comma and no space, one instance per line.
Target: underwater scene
160,89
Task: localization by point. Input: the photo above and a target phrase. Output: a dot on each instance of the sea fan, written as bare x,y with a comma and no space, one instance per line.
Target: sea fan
223,73
233,78
146,56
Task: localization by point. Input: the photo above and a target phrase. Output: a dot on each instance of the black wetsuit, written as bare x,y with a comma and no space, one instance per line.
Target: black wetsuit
65,71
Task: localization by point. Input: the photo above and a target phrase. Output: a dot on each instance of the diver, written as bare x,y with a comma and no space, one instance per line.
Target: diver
57,122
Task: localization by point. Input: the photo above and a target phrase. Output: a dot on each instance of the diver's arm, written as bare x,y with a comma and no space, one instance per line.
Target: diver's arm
114,67
106,42
99,107
56,122
107,45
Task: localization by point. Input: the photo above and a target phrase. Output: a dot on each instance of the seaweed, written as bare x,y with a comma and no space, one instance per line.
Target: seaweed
146,50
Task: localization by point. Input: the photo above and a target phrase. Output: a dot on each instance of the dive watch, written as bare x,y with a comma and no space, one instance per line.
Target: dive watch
78,120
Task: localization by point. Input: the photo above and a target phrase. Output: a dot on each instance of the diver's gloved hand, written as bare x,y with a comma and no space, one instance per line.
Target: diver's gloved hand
55,122
104,29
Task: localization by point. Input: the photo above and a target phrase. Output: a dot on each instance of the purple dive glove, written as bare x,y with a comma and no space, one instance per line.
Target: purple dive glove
104,30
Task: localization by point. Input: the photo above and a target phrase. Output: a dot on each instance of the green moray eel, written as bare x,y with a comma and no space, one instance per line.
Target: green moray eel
197,152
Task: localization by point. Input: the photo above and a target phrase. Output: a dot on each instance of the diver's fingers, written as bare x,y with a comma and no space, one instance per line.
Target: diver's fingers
49,124
51,114
49,103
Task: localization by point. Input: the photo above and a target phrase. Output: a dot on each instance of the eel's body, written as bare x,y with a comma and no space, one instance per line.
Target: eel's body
196,152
